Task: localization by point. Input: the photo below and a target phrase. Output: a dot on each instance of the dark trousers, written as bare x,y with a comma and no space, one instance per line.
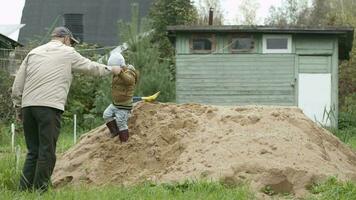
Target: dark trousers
41,127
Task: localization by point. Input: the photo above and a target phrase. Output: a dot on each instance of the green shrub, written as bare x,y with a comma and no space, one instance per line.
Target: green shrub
347,120
6,107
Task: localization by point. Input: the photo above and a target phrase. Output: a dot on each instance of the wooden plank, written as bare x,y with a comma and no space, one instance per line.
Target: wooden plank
232,76
234,85
335,83
314,64
229,100
314,43
238,98
314,51
250,93
234,79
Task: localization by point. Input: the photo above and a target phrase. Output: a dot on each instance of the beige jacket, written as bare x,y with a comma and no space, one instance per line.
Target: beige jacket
45,75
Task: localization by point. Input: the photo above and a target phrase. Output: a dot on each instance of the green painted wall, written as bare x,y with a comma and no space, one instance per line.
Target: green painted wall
182,44
236,79
312,45
315,64
227,78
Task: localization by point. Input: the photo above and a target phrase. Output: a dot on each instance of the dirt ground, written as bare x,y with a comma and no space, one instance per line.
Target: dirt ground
275,147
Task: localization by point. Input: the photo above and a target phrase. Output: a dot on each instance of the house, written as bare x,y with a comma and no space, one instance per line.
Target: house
90,21
262,65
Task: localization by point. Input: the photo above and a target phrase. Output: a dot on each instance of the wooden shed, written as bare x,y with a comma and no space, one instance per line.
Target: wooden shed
262,65
7,46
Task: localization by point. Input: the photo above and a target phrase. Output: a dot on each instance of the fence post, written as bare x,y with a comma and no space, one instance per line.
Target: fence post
12,137
18,155
75,128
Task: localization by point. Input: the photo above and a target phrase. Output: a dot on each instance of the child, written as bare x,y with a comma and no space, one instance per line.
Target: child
123,86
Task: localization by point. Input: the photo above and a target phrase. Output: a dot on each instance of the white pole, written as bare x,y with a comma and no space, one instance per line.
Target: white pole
13,137
75,128
18,154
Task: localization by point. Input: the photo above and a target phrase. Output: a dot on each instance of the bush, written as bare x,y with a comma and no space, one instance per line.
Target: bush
350,104
6,109
347,120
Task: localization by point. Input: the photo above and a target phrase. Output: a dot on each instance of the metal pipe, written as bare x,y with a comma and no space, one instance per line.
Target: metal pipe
211,16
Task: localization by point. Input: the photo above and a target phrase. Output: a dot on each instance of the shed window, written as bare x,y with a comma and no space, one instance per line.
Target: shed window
277,44
74,22
242,43
202,43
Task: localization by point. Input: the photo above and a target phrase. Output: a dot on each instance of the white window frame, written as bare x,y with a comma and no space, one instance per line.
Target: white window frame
264,44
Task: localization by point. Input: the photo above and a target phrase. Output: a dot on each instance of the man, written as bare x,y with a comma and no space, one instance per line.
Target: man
39,93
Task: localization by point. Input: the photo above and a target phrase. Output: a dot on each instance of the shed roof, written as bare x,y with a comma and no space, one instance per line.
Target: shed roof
6,42
264,29
345,34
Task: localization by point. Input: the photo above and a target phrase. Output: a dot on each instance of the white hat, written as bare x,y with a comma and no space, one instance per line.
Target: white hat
116,59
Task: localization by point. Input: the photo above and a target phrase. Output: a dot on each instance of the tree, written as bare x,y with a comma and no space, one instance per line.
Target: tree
145,56
169,12
292,12
204,8
248,10
320,13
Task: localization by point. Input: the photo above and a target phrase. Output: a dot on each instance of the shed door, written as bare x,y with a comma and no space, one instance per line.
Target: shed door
314,89
236,79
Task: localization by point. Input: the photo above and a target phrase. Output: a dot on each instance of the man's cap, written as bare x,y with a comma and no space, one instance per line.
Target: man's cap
62,32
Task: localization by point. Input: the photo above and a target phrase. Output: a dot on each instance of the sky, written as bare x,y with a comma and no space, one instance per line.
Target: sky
11,11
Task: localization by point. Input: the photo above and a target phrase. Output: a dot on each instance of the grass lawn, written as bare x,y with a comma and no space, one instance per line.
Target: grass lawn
330,190
200,190
352,142
334,190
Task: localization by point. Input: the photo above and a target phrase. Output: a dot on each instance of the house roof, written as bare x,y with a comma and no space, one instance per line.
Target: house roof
6,42
345,34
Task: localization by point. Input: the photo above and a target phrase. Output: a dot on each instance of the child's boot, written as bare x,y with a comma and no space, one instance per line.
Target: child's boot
124,135
114,131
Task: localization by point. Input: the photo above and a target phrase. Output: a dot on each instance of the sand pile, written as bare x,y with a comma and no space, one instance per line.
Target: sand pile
266,146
